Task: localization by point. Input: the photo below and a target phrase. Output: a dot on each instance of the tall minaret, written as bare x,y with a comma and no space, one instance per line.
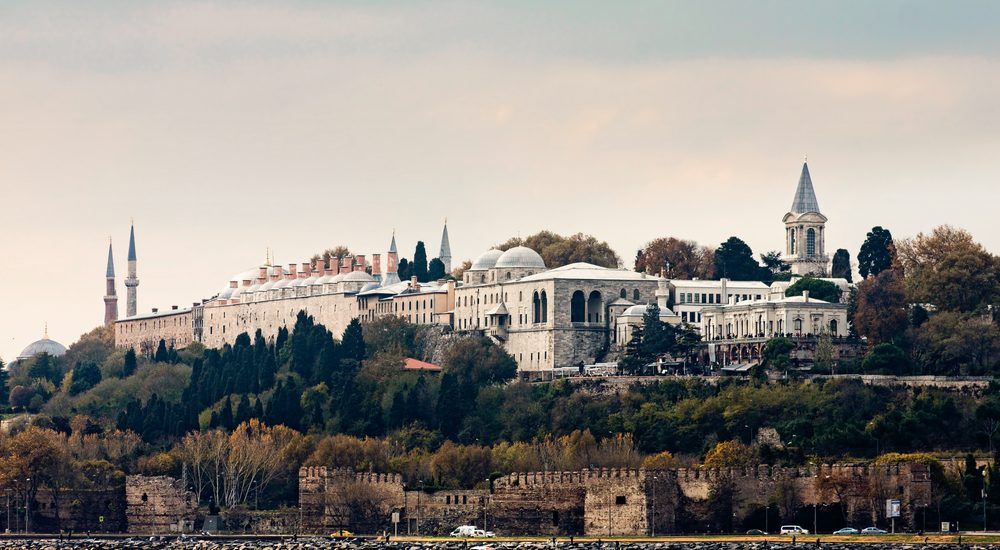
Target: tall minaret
445,254
132,281
110,296
391,264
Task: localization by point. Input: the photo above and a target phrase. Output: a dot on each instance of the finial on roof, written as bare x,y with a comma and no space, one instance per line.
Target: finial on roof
805,158
45,331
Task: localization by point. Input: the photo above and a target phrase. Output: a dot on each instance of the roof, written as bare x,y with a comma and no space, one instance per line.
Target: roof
164,313
499,309
641,309
131,244
805,195
486,260
520,256
392,245
445,244
111,264
410,363
45,345
710,283
585,271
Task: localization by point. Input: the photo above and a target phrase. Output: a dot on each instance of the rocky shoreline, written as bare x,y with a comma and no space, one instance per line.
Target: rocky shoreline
191,543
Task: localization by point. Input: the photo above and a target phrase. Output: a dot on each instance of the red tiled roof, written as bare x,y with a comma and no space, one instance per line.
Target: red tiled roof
415,364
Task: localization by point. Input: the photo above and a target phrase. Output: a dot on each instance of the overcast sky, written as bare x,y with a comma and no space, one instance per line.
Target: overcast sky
224,128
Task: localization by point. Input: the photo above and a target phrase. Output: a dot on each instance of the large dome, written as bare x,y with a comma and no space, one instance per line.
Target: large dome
521,256
44,345
487,260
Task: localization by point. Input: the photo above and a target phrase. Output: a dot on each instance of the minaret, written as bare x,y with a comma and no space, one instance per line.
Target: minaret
132,281
445,254
805,230
110,296
391,263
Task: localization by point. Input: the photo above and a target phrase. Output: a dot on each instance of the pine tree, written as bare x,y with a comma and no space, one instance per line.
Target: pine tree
403,269
841,267
353,341
130,363
161,355
226,414
435,270
419,265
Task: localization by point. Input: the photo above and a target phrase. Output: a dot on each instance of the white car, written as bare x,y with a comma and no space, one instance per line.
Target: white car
793,530
465,531
480,534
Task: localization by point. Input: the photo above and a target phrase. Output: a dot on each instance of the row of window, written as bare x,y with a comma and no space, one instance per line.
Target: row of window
703,298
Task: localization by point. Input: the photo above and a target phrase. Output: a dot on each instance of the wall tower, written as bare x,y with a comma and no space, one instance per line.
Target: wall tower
805,231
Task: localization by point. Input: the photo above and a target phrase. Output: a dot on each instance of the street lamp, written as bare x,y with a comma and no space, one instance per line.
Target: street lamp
27,482
984,500
652,523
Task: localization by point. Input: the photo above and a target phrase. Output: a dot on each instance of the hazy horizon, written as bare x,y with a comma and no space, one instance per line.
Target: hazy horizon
225,128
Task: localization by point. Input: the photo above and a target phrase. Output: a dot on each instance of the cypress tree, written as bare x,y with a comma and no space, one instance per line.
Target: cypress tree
161,355
353,341
419,266
130,364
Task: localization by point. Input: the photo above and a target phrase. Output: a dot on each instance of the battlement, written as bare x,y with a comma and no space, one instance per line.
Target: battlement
313,474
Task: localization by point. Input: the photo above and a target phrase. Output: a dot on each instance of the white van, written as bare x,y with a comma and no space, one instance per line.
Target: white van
793,530
464,531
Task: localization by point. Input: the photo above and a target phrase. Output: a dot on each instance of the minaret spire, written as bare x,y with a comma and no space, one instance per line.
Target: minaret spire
391,263
132,281
445,254
110,296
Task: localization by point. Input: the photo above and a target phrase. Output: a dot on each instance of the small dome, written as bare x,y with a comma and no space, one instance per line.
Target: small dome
636,311
323,280
225,293
281,284
520,256
44,345
487,260
357,277
370,286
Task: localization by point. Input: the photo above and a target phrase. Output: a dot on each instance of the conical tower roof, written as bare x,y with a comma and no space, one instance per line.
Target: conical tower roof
805,195
111,263
392,245
131,244
445,244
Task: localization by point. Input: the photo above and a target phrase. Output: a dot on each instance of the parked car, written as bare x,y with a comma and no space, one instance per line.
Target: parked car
756,532
793,530
846,531
480,534
464,531
341,533
873,531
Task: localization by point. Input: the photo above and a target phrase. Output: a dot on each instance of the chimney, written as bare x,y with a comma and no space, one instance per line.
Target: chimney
234,284
725,290
319,267
262,274
376,264
805,295
173,308
391,261
359,263
155,310
345,264
291,271
306,268
413,283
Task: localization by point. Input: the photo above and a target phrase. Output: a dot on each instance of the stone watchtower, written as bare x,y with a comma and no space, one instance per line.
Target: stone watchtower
110,296
132,281
805,231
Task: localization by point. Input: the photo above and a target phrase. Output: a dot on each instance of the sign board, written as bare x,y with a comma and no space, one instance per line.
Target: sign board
945,527
395,517
892,508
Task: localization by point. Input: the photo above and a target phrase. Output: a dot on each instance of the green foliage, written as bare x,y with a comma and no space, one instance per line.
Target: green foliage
734,260
841,267
418,268
404,269
435,270
886,359
130,363
777,353
876,252
84,376
818,289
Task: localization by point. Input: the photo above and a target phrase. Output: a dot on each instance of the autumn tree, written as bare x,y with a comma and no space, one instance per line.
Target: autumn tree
679,258
459,271
841,267
951,343
729,454
949,269
877,252
557,250
880,313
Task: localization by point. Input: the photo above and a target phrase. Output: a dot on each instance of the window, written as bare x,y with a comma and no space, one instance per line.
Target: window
620,500
810,242
791,241
545,308
798,326
635,295
577,307
536,308
833,326
594,306
623,294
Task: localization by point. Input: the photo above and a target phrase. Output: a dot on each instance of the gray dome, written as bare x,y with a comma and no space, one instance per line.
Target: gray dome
635,311
44,345
357,277
487,260
521,256
370,286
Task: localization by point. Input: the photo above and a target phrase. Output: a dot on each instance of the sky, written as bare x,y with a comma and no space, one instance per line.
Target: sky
225,128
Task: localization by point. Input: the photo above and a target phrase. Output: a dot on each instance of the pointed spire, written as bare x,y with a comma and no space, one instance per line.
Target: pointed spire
392,245
111,262
445,243
131,243
805,195
45,331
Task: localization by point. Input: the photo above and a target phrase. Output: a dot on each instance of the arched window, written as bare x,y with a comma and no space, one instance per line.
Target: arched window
781,326
833,327
635,295
594,307
623,294
545,308
798,326
508,275
792,241
810,242
578,307
482,278
536,308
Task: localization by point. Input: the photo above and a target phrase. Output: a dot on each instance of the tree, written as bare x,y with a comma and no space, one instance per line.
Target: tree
777,353
338,251
353,341
403,269
661,461
130,363
877,252
557,250
729,454
824,353
988,416
818,289
459,271
418,268
435,270
680,259
886,359
950,270
951,343
84,376
773,262
841,267
734,260
880,314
